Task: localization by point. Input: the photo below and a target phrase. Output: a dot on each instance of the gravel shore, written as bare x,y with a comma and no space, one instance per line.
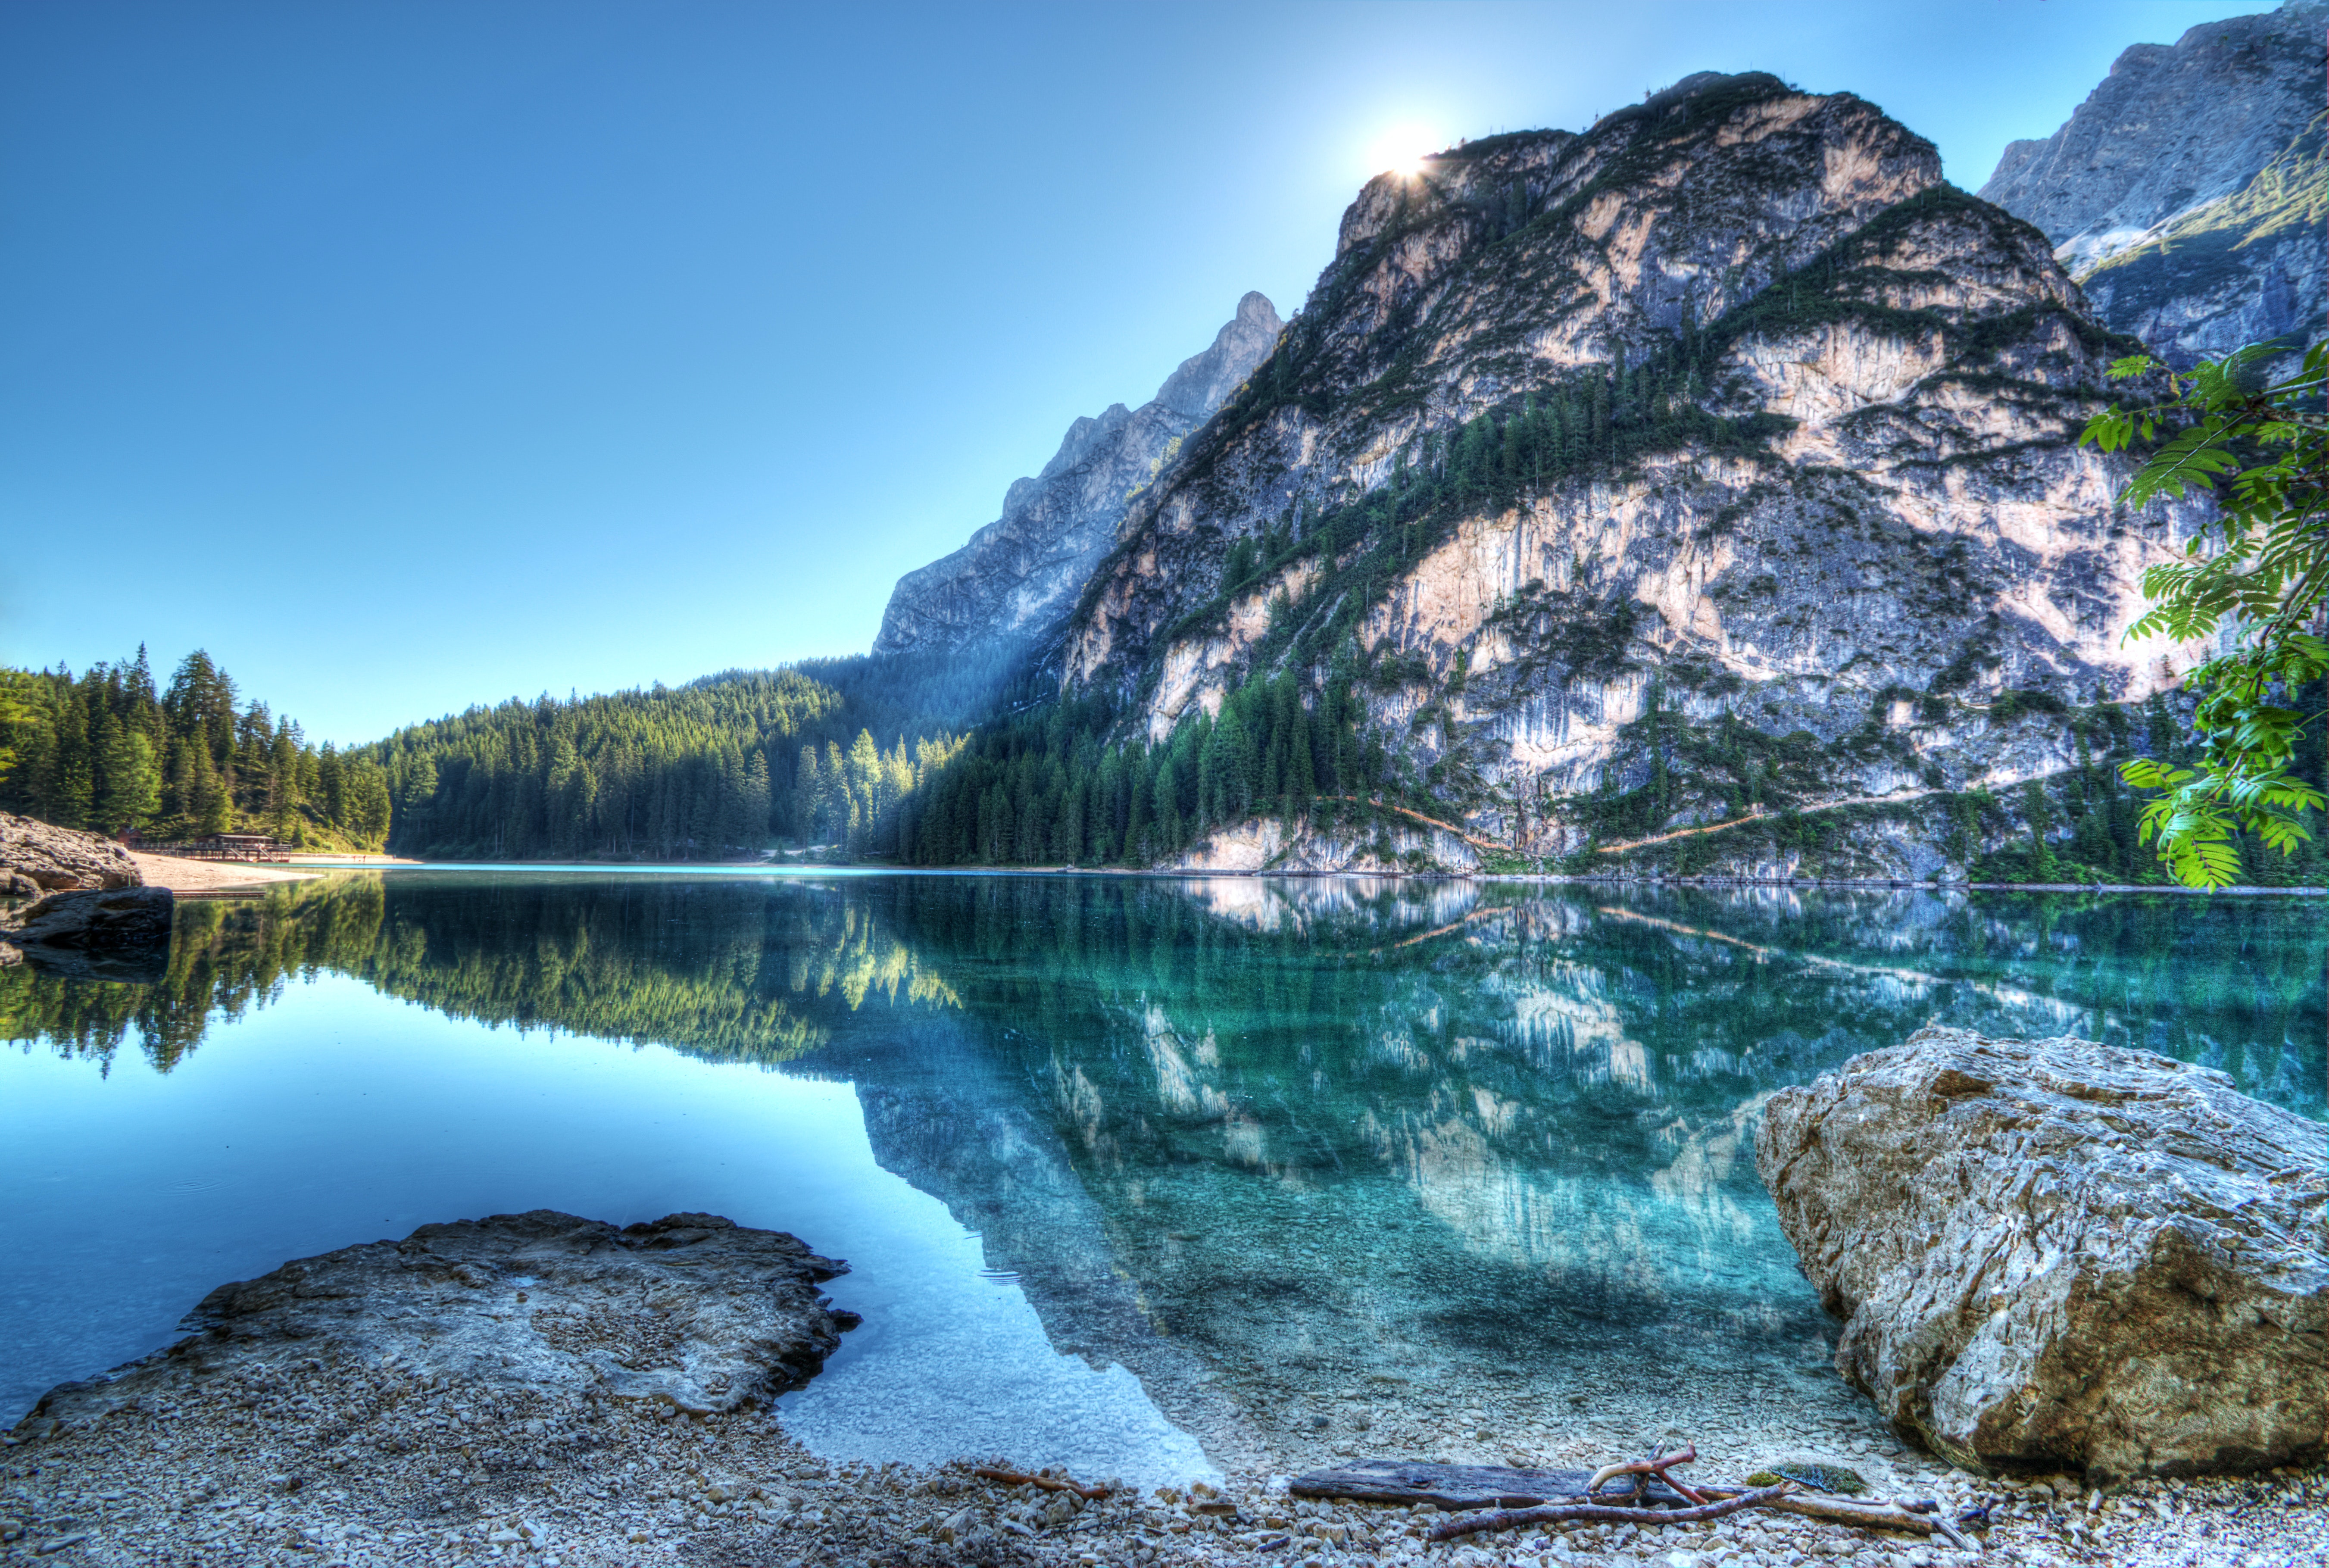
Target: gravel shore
329,1462
549,1391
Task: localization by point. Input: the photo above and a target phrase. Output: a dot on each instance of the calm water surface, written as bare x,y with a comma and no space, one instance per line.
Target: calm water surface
1141,1177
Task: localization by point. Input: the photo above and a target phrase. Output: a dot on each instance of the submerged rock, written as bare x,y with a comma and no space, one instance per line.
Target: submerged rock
120,934
2060,1254
691,1310
36,857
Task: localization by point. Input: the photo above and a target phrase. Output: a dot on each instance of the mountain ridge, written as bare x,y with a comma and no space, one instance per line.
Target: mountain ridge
1015,576
2186,193
1929,352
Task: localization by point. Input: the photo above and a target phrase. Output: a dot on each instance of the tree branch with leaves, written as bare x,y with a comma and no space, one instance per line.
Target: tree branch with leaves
2258,569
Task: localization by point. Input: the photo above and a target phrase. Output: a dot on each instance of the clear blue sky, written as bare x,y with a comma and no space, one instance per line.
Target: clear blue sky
415,355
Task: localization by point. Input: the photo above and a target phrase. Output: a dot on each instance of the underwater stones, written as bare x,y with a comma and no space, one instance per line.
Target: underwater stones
2057,1254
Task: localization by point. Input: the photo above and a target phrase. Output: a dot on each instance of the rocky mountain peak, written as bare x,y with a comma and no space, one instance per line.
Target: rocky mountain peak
1205,380
1021,572
2188,192
1725,427
2172,127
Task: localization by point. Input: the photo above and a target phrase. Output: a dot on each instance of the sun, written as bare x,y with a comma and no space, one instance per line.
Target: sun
1401,149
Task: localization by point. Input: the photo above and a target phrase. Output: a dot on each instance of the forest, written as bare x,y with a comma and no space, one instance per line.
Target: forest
105,751
720,768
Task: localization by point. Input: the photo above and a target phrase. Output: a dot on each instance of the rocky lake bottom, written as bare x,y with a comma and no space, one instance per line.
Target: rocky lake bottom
1189,1184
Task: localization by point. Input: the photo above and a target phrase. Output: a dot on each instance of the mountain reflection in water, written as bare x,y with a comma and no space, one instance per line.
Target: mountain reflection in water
1307,1157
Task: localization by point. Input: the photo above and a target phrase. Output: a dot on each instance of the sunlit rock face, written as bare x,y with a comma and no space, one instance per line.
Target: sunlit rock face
2186,195
1022,572
1895,526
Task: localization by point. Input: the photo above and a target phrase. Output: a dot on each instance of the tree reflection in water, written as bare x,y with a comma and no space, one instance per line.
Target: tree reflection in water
1300,1152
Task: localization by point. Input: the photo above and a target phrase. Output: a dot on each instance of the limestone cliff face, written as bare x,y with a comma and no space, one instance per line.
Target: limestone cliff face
1819,501
1021,572
2187,194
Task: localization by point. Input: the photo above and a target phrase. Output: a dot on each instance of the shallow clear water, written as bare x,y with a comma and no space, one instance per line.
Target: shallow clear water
1123,1166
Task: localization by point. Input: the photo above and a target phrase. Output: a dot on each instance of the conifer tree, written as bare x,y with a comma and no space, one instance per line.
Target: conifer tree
118,788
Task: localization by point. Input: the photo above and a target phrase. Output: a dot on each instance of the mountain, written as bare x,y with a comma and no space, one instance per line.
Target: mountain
1718,462
1022,571
2187,194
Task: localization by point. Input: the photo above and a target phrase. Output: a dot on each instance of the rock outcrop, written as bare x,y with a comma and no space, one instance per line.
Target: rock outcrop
1022,572
2187,194
691,1310
2059,1255
1722,451
123,935
36,857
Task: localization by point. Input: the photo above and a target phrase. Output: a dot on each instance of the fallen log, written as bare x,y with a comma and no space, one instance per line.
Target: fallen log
1868,1517
1409,1482
1520,1497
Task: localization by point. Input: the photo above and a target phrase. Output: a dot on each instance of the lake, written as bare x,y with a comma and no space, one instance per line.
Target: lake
1145,1177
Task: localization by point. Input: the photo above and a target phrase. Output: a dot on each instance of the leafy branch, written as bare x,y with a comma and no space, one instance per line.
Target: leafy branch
2258,568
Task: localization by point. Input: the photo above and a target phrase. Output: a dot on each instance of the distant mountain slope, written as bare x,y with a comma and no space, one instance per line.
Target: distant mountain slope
1019,573
2187,194
1719,456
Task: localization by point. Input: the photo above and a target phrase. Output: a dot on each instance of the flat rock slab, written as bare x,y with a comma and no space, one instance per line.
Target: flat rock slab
692,1310
2057,1254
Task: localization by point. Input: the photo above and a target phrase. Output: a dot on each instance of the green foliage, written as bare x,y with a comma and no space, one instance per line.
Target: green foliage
2256,572
103,751
1045,785
712,770
753,979
15,704
226,958
663,773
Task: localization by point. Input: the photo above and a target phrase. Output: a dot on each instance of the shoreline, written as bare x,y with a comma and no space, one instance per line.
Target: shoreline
2244,890
316,1448
201,876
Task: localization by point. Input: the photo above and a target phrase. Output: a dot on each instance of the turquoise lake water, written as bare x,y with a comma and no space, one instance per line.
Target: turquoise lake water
1140,1176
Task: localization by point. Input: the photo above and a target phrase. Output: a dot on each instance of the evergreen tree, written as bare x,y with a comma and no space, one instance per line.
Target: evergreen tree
118,786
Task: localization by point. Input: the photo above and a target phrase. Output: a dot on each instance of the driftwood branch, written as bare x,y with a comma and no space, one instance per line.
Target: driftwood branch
1867,1516
1919,1517
1604,1514
1657,1464
1048,1483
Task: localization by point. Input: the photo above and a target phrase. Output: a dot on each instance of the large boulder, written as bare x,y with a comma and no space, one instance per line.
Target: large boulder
36,857
123,935
2056,1254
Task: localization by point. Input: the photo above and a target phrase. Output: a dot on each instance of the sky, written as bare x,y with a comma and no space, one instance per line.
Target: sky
413,356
